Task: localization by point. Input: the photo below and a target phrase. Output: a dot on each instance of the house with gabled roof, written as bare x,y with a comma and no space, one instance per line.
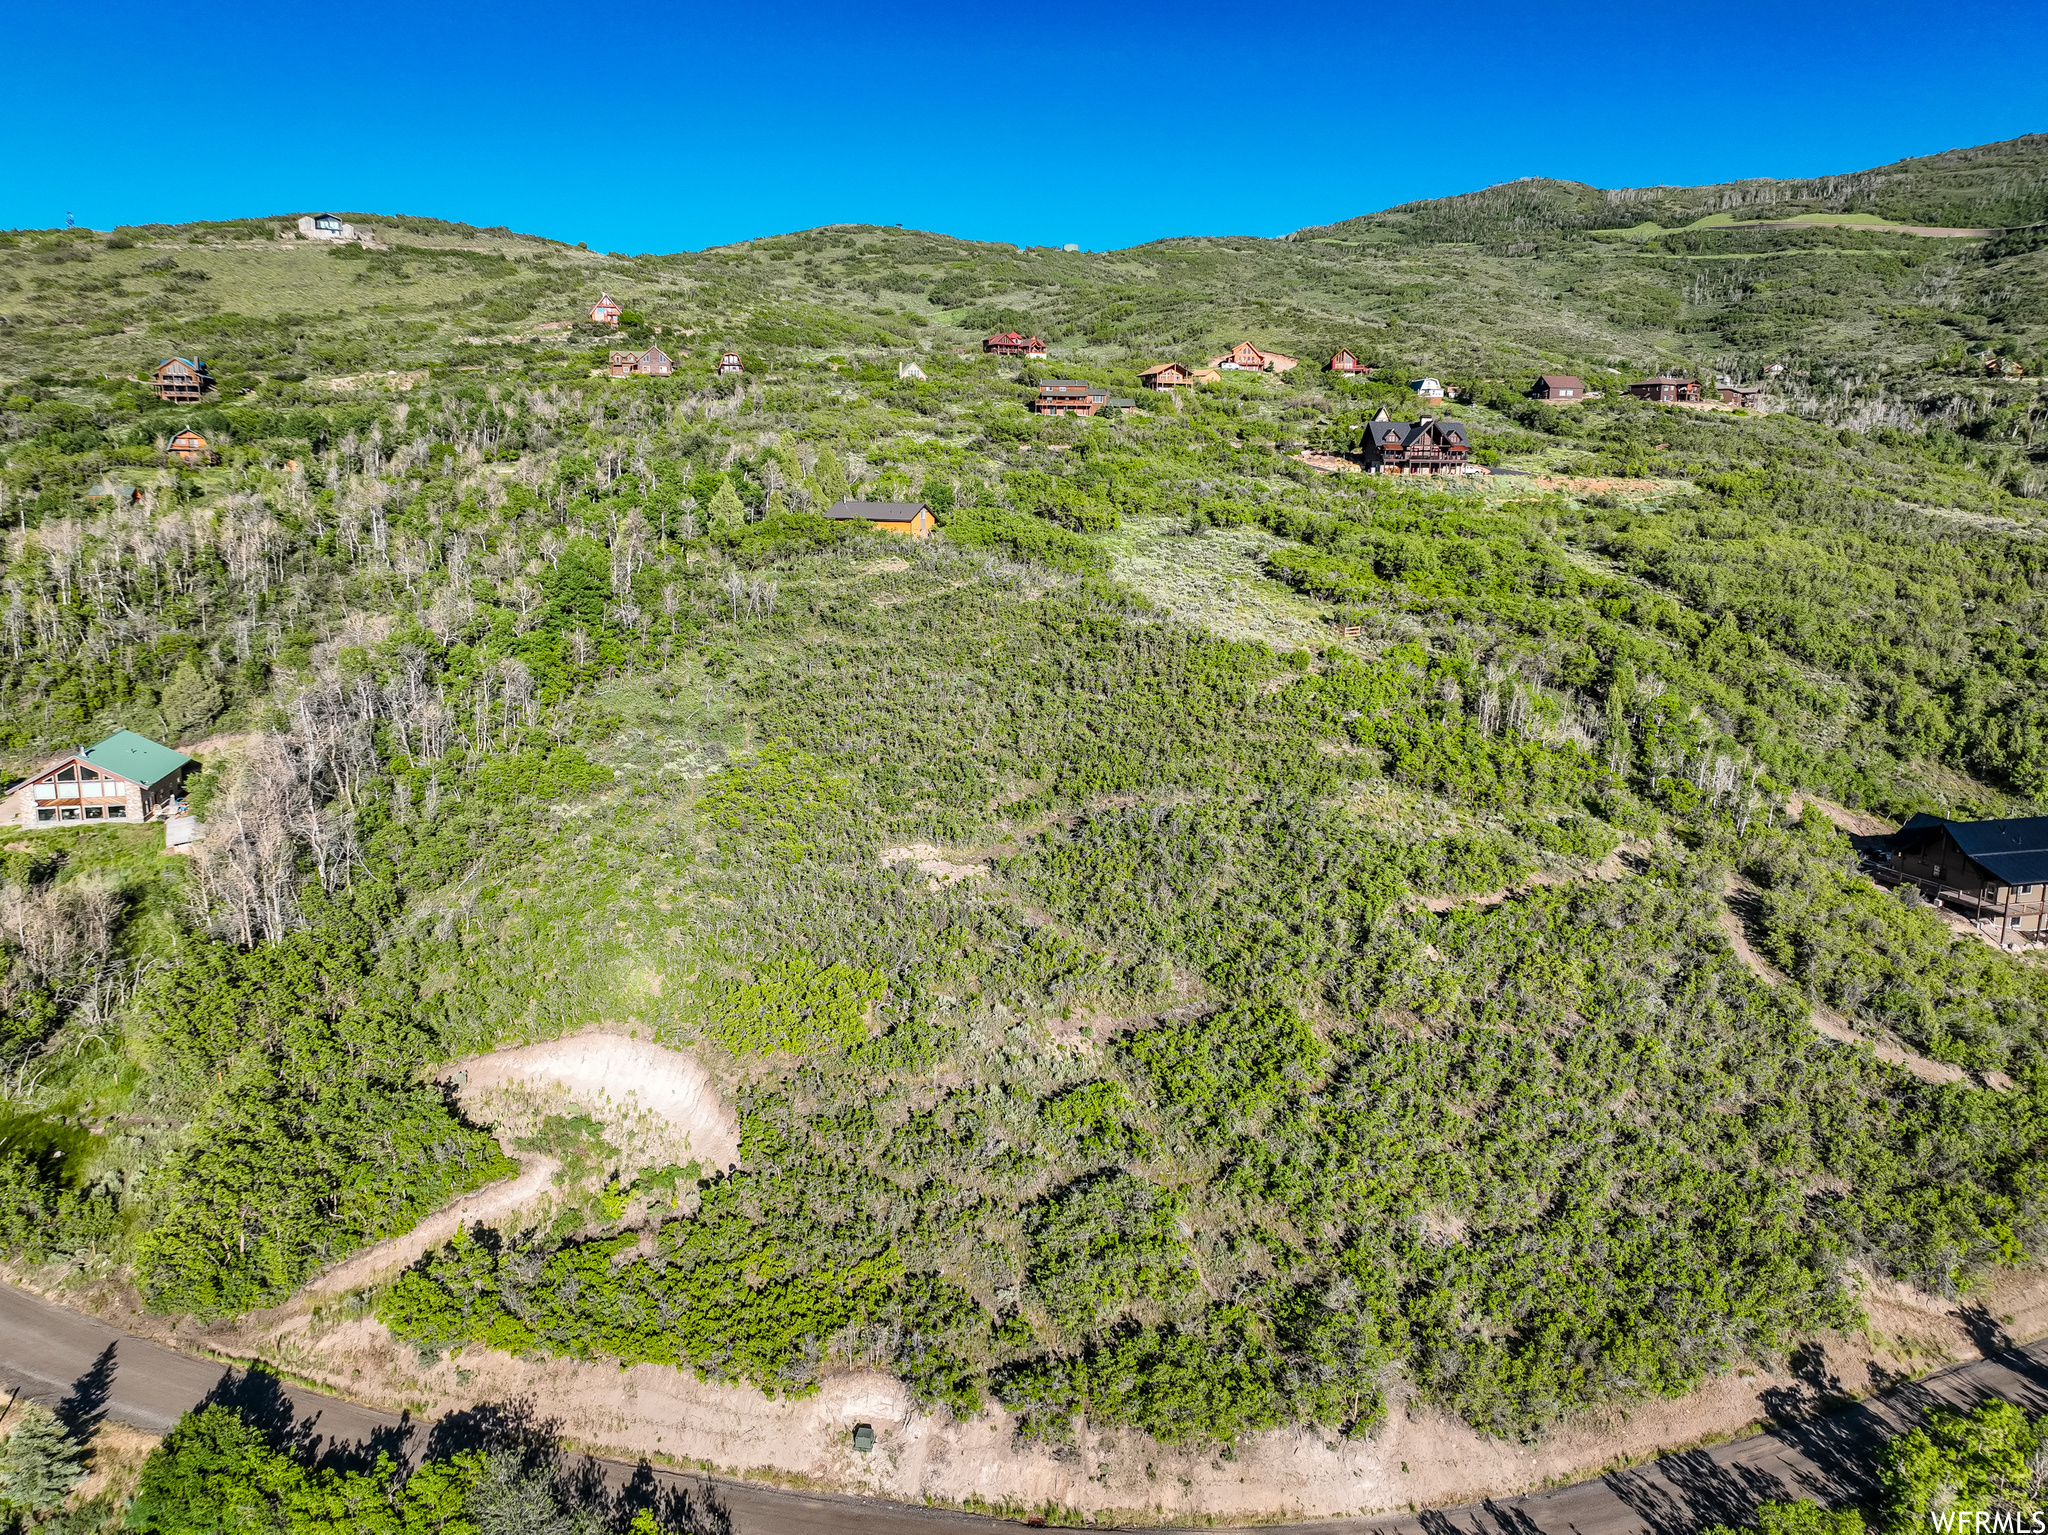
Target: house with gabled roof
1346,363
606,310
1667,390
652,363
1166,375
1558,386
1013,344
1246,358
1427,446
125,778
910,519
181,379
1993,872
190,447
1069,397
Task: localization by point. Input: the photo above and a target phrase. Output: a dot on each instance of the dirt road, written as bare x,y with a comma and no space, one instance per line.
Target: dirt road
49,1353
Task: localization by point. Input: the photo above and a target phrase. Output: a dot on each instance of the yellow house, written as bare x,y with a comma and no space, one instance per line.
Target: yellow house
912,519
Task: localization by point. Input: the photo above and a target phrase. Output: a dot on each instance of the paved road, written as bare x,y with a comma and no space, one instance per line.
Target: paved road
63,1357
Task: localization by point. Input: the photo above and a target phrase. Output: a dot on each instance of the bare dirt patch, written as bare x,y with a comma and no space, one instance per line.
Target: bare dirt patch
485,1205
935,861
657,1105
1856,822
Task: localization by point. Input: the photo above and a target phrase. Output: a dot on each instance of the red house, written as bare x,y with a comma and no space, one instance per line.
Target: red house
652,363
606,310
1166,375
1667,390
1069,397
1011,344
1346,362
191,448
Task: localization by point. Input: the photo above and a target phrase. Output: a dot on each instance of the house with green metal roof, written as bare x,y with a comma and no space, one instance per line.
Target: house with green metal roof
126,777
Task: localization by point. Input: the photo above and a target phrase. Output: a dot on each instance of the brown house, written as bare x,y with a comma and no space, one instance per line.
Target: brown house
652,363
1670,391
180,378
1166,375
1069,397
1246,358
911,519
191,448
729,363
1558,386
1428,446
1011,344
1346,362
606,310
1748,396
126,777
1994,872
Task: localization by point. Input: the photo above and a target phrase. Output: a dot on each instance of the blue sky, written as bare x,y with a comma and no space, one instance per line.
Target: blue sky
648,127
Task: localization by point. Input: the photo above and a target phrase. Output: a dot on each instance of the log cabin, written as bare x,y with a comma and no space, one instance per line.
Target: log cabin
180,379
191,448
1428,446
1166,375
1346,362
652,363
1012,344
1558,386
606,310
909,519
1069,397
1993,872
126,777
1667,390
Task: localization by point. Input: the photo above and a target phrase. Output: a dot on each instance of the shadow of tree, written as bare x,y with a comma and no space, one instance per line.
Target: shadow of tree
85,1405
511,1425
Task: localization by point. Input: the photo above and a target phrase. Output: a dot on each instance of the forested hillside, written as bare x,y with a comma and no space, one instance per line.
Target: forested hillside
1208,1097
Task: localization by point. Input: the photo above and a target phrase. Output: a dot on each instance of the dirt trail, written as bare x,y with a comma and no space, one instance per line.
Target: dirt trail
1615,866
486,1204
1826,1020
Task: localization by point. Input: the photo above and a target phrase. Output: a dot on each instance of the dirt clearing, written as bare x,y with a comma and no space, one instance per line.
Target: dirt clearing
935,861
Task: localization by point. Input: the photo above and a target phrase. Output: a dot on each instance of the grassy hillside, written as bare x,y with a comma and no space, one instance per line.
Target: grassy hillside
534,698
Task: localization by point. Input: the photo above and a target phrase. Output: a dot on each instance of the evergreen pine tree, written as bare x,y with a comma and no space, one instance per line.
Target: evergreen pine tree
726,509
831,477
40,1462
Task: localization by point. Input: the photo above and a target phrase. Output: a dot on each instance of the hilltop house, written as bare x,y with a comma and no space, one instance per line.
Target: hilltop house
911,519
729,363
1427,446
1069,397
1667,390
191,448
1166,375
1246,358
180,379
1994,872
126,777
1346,362
1558,386
326,226
606,310
1011,344
652,363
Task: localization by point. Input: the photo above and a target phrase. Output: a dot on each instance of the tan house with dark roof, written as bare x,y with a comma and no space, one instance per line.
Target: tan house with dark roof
910,519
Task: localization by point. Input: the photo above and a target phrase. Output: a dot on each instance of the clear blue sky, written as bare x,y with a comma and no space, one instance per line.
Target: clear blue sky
647,127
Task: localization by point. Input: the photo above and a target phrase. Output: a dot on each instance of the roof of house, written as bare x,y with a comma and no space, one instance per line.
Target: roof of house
1562,381
1121,404
191,362
1406,434
192,432
1662,378
877,511
1069,386
136,758
2014,852
1162,367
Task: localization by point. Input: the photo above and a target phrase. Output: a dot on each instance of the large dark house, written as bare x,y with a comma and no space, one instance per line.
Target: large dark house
1428,446
1670,391
1994,872
1069,397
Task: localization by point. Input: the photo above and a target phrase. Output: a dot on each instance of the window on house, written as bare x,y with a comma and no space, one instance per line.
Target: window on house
92,812
43,814
66,775
87,775
68,814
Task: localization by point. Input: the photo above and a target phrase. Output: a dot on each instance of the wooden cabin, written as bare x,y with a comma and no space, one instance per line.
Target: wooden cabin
1427,446
606,310
1166,375
1993,872
652,363
126,777
1346,362
1748,396
1246,358
180,379
1069,397
1667,390
910,519
1012,344
191,448
1558,386
729,363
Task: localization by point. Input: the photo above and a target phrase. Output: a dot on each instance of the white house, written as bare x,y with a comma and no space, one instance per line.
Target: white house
1428,388
326,226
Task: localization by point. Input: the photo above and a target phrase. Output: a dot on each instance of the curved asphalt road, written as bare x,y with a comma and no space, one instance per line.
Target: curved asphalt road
86,1367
